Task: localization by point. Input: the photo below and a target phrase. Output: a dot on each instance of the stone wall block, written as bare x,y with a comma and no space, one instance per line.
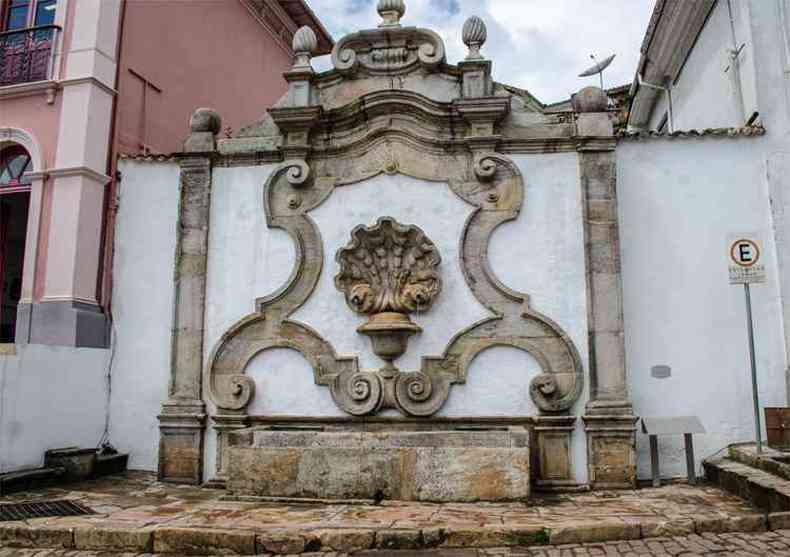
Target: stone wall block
594,124
611,451
595,532
138,540
602,211
18,534
187,541
608,309
392,465
192,293
603,258
194,241
610,359
472,475
181,454
188,354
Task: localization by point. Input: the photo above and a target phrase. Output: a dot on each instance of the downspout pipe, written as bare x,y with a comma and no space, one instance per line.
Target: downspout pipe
668,91
735,66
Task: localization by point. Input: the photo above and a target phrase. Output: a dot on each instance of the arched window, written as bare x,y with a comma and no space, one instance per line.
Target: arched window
14,162
14,205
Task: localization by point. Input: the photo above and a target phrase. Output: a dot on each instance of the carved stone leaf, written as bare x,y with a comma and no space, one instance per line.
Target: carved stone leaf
389,267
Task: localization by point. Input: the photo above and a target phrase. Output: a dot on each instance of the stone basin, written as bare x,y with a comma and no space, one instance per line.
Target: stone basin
441,466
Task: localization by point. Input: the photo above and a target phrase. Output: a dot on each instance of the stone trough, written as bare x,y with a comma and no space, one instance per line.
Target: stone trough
432,466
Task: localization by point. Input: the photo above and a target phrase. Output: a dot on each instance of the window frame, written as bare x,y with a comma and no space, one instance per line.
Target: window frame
32,10
21,186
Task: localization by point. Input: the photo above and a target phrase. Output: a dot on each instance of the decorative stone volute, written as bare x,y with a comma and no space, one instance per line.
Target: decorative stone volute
388,271
391,12
305,44
474,36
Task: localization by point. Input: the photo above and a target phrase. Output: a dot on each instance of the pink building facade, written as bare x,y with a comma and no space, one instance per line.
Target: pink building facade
83,81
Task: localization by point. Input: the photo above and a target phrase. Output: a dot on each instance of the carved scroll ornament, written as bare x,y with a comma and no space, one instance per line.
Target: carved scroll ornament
492,184
390,48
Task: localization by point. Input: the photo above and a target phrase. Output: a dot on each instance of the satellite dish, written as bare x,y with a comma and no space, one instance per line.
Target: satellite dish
599,67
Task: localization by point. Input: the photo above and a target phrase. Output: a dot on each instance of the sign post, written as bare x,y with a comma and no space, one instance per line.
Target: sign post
746,268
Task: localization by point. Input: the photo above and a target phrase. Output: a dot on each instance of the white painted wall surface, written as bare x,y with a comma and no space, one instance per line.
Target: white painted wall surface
50,397
704,95
541,253
679,201
145,243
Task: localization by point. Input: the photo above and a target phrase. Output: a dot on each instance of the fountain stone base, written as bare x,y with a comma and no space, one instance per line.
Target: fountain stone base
439,466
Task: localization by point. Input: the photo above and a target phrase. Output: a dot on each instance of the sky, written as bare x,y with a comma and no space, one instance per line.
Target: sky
538,45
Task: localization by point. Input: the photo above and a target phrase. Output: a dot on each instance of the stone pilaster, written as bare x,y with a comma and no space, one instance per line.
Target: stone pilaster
183,417
224,425
609,419
553,436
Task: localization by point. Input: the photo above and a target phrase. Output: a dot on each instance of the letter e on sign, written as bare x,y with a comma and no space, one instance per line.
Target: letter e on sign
745,259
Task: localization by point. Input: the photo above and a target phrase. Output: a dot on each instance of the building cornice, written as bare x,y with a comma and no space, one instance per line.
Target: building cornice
280,25
89,79
48,87
81,171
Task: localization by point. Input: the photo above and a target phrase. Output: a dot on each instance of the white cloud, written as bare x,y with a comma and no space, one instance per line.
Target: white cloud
538,45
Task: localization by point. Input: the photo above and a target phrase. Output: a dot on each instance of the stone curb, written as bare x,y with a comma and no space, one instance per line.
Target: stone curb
209,541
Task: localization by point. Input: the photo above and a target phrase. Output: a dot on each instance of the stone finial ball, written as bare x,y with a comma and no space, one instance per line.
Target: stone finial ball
205,120
398,6
305,41
590,99
474,32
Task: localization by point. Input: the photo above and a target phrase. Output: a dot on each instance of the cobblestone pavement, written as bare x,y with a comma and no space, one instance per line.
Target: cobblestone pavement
765,544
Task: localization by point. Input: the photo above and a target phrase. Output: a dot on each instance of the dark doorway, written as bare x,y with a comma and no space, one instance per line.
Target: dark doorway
13,230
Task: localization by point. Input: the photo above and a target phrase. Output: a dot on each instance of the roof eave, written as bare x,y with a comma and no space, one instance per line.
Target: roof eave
670,38
325,40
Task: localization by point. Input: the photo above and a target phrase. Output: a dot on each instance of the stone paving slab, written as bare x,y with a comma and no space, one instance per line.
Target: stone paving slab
764,544
138,515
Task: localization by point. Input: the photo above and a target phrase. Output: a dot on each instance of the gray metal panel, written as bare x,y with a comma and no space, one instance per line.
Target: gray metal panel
672,426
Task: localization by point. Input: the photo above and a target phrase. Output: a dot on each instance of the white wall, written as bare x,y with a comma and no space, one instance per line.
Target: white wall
679,201
145,242
50,397
704,95
541,253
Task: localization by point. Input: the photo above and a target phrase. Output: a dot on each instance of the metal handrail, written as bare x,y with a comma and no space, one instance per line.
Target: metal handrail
31,29
28,55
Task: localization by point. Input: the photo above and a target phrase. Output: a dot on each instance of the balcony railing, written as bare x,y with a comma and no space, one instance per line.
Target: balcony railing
27,55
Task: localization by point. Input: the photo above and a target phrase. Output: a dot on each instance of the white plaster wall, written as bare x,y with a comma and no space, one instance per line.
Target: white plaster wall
431,206
679,201
145,242
247,260
703,95
541,253
50,397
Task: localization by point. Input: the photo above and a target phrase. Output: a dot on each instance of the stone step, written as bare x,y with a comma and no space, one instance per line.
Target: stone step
115,538
25,480
764,490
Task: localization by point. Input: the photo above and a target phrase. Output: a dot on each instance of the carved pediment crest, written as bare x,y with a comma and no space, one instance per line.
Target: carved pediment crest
390,48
